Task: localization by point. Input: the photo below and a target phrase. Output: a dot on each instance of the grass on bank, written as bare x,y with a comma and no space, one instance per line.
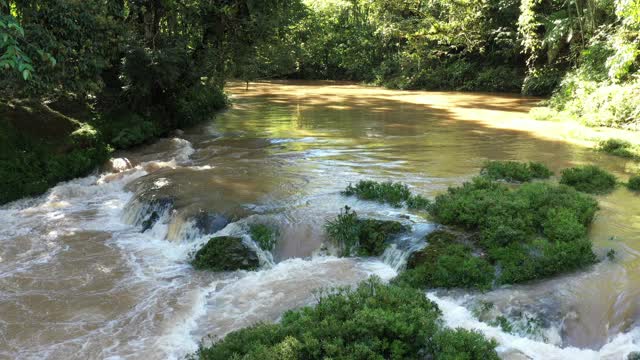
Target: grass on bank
373,321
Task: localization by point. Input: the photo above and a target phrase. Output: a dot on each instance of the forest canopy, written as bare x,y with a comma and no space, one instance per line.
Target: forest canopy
118,73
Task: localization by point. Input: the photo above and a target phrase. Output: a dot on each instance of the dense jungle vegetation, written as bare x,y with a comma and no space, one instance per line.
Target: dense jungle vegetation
80,78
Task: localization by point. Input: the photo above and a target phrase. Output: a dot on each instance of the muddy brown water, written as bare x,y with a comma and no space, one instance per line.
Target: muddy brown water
79,280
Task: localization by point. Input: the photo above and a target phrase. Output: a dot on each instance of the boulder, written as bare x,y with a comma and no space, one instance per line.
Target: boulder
226,253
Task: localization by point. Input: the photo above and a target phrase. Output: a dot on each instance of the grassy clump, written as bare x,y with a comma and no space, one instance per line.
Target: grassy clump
446,263
534,231
392,193
365,237
589,178
388,192
634,183
374,321
225,253
618,147
265,236
515,171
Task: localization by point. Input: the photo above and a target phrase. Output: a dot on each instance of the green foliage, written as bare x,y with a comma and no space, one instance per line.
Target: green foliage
264,235
534,231
589,179
393,193
618,147
446,263
418,202
374,321
31,162
225,253
634,183
386,192
515,171
364,237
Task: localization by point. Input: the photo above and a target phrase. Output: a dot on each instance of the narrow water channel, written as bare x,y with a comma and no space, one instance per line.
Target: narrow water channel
80,279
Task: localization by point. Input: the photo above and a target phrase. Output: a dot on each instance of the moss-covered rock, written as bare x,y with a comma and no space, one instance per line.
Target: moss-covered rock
590,179
364,237
225,253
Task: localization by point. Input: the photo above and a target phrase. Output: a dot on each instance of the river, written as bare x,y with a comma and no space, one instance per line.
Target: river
79,279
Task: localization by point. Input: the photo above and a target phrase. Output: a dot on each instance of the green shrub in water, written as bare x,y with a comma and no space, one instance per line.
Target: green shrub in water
589,178
418,202
386,192
446,263
373,321
617,147
634,183
515,171
264,235
365,237
534,231
392,193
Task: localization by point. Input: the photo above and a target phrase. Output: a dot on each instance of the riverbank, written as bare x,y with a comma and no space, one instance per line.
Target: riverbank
43,144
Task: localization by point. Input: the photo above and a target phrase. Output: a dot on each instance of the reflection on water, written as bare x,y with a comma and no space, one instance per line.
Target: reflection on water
80,280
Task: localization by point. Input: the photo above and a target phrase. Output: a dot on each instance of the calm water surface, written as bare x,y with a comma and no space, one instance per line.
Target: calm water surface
80,280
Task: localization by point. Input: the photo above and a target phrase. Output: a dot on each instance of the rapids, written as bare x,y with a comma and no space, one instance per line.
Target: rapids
87,271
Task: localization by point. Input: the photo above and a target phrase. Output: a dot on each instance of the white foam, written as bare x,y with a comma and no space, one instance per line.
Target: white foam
457,316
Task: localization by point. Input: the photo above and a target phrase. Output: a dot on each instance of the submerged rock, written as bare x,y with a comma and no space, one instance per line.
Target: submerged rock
147,214
209,223
225,253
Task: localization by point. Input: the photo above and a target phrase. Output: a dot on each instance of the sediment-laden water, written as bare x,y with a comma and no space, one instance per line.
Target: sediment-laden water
98,267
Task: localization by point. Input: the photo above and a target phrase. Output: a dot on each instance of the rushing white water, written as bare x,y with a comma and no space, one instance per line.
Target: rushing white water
518,347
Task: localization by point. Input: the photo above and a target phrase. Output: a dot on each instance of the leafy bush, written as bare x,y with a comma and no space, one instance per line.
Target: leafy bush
365,237
265,236
446,263
634,183
374,321
418,202
515,171
617,147
523,230
199,103
589,179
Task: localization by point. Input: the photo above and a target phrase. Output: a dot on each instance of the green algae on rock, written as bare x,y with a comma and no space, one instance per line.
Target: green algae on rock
225,253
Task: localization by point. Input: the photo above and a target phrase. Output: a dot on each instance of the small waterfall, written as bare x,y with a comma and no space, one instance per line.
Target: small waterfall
397,254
